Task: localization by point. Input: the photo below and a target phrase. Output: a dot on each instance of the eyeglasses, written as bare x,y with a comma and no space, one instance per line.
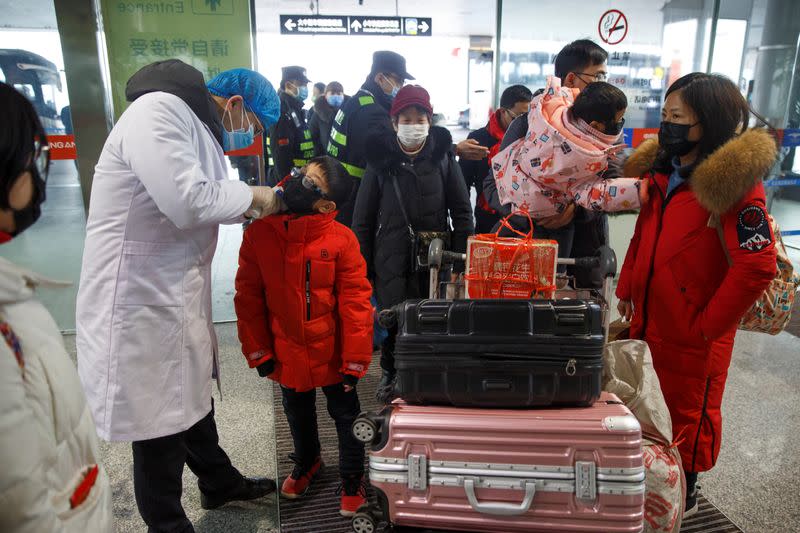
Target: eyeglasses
598,76
308,183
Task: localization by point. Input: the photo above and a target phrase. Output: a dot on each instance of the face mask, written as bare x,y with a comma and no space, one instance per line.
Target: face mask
237,139
412,135
335,100
614,128
25,218
300,193
395,88
302,93
672,138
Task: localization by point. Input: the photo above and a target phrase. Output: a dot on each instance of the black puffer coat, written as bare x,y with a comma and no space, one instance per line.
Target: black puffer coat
432,188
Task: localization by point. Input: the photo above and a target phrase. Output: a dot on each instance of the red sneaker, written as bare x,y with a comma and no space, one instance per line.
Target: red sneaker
297,483
354,495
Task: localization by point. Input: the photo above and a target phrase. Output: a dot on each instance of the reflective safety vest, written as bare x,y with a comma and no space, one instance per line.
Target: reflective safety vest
337,145
304,145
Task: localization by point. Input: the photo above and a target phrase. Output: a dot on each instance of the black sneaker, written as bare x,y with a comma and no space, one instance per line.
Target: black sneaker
248,489
385,393
691,503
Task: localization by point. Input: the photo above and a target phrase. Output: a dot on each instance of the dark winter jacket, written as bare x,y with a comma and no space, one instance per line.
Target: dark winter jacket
364,117
490,136
320,122
432,188
290,142
687,301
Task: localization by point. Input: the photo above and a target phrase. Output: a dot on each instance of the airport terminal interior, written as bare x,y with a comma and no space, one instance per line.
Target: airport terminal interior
72,58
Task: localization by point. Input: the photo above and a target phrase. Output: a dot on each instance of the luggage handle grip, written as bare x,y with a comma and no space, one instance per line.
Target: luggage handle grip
497,385
498,508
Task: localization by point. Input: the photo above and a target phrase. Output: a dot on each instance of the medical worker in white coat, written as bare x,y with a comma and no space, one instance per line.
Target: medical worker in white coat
147,349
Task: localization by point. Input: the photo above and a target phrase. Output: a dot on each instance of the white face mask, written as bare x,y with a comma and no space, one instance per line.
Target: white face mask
412,135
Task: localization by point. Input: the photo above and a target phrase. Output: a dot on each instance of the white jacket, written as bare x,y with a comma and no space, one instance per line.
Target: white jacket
47,437
146,342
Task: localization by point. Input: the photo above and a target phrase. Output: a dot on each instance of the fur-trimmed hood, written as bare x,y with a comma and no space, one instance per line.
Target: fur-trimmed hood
721,180
383,149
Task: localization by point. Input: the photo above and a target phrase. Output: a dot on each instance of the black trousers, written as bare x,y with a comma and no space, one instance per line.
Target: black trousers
344,408
158,473
691,482
485,222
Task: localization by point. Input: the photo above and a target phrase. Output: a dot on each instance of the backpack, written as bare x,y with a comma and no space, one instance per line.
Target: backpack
773,309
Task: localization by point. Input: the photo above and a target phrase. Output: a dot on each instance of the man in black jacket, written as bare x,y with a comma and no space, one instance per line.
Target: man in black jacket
364,115
515,102
290,143
578,64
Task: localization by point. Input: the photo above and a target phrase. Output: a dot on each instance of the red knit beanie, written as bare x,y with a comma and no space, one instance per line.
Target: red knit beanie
411,95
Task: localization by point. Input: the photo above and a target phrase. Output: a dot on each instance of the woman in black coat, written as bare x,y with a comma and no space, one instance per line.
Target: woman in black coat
419,159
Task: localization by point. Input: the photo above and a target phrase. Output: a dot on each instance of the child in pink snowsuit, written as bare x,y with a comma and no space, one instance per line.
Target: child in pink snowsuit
571,136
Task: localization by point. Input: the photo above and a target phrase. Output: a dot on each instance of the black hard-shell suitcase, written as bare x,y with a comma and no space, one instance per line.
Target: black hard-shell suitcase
499,353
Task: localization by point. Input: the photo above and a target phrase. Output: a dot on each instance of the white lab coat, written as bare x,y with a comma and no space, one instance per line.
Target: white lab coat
146,342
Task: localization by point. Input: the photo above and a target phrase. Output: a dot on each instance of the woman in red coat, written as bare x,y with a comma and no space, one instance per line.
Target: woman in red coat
676,286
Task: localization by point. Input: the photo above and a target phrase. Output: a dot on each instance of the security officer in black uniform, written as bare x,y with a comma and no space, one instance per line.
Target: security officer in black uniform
290,144
364,115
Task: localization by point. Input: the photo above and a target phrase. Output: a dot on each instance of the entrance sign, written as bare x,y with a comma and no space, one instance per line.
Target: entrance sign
211,35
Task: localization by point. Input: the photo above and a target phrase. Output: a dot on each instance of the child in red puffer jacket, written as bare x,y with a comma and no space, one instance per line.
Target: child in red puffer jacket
305,319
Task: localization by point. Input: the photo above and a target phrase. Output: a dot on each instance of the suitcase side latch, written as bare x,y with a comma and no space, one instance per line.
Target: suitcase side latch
585,480
417,472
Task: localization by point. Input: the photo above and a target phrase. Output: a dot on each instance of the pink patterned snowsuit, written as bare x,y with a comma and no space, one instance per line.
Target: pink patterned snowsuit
559,162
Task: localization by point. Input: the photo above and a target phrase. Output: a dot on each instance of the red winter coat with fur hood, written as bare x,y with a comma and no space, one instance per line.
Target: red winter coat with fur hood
687,301
302,298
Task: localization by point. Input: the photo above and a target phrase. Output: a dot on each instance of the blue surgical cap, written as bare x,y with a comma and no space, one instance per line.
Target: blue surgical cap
256,91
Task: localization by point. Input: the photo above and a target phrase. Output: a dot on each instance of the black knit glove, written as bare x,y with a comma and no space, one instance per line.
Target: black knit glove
266,368
350,380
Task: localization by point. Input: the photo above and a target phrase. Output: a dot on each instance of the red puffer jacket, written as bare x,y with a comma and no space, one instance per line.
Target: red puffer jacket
687,301
302,298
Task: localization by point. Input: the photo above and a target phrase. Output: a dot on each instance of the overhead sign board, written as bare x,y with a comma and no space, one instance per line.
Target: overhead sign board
355,25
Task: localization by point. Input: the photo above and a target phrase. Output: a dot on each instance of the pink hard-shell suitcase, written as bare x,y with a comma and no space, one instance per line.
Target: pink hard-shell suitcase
496,470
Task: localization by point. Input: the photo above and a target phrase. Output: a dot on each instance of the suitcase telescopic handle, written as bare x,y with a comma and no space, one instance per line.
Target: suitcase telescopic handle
500,508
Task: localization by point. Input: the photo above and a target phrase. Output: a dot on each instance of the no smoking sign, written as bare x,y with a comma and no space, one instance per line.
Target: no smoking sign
613,26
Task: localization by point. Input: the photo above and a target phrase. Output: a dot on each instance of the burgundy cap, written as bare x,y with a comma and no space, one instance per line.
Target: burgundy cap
411,95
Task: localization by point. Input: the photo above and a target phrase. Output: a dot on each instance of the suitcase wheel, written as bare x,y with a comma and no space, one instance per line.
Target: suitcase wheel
363,523
365,430
387,318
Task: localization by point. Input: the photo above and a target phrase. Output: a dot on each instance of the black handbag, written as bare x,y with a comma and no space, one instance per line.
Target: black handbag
420,241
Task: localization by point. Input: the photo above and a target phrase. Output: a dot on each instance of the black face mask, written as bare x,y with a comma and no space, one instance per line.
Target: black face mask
27,217
298,198
614,128
672,138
